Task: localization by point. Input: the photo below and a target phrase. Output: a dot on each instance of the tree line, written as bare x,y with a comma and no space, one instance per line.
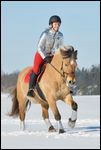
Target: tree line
88,81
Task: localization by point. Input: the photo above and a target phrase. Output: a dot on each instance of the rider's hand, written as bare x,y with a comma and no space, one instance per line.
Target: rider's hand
48,59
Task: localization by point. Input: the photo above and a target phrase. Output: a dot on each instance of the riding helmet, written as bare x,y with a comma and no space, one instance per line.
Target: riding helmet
54,19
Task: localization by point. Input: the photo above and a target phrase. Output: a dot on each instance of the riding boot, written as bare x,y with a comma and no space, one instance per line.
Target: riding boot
32,83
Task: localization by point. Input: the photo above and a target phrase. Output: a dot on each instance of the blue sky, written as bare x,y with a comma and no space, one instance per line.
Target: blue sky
22,23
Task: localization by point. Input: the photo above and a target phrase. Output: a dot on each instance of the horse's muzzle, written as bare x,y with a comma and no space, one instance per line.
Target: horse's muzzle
70,83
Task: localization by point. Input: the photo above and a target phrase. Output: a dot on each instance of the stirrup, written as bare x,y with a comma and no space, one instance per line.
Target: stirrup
31,93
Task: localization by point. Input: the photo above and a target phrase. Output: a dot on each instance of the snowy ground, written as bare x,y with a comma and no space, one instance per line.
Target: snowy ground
86,134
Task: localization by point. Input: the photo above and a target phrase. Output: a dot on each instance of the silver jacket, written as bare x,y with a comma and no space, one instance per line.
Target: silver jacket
49,42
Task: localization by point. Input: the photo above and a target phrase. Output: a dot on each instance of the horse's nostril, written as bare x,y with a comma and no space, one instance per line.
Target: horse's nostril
71,82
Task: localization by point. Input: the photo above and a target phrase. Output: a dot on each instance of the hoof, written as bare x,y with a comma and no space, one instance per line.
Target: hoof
71,123
61,131
51,129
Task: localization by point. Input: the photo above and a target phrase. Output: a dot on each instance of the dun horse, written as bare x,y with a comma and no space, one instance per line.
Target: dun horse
55,83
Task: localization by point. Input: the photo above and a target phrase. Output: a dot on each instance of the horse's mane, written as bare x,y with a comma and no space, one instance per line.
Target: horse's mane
68,52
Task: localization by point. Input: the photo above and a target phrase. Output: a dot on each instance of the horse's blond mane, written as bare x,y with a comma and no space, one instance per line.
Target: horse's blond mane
67,52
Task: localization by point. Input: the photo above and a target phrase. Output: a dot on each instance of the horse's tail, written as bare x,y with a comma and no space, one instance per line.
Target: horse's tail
15,106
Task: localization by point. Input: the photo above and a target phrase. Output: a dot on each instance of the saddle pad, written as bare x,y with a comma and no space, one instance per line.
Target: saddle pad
27,77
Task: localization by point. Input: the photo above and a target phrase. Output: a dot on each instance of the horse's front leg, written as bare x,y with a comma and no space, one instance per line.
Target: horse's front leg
45,116
57,116
72,120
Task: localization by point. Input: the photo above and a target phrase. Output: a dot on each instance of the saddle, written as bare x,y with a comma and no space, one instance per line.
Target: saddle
41,71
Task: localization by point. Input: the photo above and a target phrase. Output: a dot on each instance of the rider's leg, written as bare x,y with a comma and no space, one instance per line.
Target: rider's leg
32,83
38,61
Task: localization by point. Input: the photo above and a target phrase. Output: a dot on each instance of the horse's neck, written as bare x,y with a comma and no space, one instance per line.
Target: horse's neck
57,61
55,68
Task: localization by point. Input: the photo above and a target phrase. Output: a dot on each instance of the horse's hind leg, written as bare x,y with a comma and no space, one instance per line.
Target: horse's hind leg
22,118
72,120
22,110
45,115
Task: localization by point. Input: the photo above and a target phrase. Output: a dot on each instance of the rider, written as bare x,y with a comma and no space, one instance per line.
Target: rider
50,40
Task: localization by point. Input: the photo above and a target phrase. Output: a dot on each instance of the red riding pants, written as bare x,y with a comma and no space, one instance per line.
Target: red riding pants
38,61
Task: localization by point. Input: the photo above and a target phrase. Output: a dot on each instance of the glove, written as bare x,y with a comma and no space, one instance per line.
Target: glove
48,59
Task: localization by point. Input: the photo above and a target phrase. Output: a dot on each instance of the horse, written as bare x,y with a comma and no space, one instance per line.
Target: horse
55,83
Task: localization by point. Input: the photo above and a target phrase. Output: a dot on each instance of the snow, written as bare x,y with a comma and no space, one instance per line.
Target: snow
85,135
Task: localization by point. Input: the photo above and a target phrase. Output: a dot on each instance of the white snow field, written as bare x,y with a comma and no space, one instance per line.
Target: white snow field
85,135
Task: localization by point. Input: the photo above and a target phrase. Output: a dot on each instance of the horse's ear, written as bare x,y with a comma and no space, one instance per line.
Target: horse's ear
75,54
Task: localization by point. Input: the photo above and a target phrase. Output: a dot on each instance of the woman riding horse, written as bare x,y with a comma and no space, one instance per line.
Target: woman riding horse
55,82
50,40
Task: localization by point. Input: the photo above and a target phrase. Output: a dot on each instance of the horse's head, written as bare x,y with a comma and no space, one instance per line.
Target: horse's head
69,56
